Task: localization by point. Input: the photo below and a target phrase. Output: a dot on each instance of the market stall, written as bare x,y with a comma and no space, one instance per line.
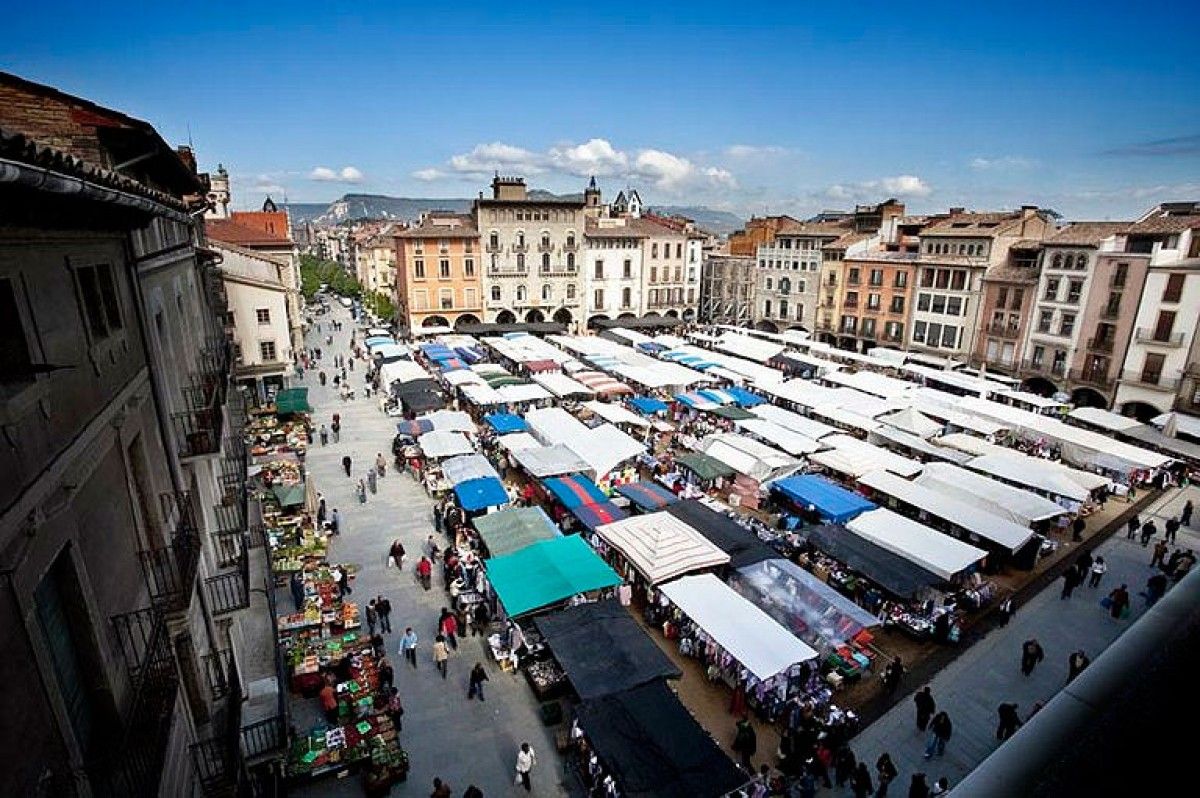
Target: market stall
741,545
511,530
573,490
817,495
480,493
437,445
853,458
801,425
544,461
648,405
647,496
505,423
943,555
593,516
848,559
655,547
780,437
371,740
547,572
1019,506
466,467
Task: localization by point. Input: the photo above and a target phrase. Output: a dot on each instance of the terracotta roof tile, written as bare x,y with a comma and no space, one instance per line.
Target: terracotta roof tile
1087,233
1166,224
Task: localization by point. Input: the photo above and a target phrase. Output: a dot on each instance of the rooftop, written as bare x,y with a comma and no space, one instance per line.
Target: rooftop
251,229
1087,234
1165,224
823,229
442,225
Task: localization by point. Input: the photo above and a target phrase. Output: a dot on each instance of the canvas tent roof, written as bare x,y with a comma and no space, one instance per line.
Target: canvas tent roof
660,546
854,457
547,461
829,500
1017,505
703,466
439,444
617,414
1031,472
401,371
547,572
742,545
780,437
747,456
913,422
516,441
467,466
1099,417
594,516
941,554
748,634
1001,531
801,425
574,489
654,747
504,423
292,400
450,421
871,382
561,385
893,573
890,435
481,492
647,495
511,530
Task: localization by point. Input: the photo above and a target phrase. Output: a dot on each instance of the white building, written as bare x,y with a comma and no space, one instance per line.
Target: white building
257,319
613,269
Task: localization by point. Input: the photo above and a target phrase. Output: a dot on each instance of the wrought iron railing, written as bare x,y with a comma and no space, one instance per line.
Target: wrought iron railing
170,571
230,591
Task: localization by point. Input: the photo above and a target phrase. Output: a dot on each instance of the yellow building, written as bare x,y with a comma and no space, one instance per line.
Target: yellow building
438,272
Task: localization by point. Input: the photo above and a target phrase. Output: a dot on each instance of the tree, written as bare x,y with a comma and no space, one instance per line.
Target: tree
314,271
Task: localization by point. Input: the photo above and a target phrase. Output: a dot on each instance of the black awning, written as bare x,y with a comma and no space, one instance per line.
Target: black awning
541,327
637,323
654,747
603,649
419,396
892,572
742,545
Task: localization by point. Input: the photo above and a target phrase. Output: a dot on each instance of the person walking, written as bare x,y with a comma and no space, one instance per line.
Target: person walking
395,709
1172,529
361,490
940,730
408,646
1077,527
844,765
926,706
343,581
296,583
1185,517
1131,527
1099,567
371,481
1118,601
448,626
396,554
372,616
441,655
745,742
1010,721
329,703
918,788
324,435
1156,588
384,607
1076,663
335,522
380,464
885,771
940,787
425,572
346,463
475,682
321,512
1161,548
1006,610
480,619
440,789
387,674
860,782
1071,580
1031,655
892,675
526,759
1149,530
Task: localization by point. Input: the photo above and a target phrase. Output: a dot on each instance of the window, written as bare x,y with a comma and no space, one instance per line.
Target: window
520,238
901,280
469,267
770,283
934,335
1174,289
873,302
897,305
421,300
495,293
545,261
654,250
958,280
923,302
679,251
494,240
627,269
868,328
545,240
446,298
943,278
1066,327
938,305
570,290
101,308
854,277
876,276
1039,356
547,292
419,269
522,293
1018,298
444,269
954,306
949,337
927,278
1152,368
599,272
919,331
571,261
598,299
1044,320
15,358
1074,291
570,239
1001,297
1120,274
1059,364
783,308
470,298
626,297
1162,328
263,315
785,286
1051,289
678,274
1172,242
266,350
520,262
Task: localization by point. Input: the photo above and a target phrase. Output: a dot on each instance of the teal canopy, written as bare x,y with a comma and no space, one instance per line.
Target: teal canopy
292,400
289,495
546,573
508,531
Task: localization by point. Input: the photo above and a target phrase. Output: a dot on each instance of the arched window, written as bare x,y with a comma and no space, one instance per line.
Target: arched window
546,261
520,293
570,238
520,261
785,286
767,308
520,238
494,240
547,292
1058,260
495,293
626,297
570,290
570,260
545,239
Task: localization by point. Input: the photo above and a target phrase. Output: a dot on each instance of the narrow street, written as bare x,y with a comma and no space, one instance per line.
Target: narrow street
446,736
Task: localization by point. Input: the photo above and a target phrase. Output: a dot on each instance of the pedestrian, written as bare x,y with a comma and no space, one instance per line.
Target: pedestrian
885,771
329,703
448,626
1172,529
1185,517
335,523
480,619
940,787
372,616
1160,549
1156,587
940,730
296,583
380,464
321,377
321,511
378,647
1077,527
745,742
1010,721
343,581
476,680
440,789
1118,601
472,792
425,572
1131,527
918,788
1071,579
926,706
384,607
844,765
1076,664
395,709
431,547
396,554
1006,610
361,490
346,462
1031,655
371,483
441,655
1098,569
526,759
324,435
1149,530
892,675
861,781
387,674
408,646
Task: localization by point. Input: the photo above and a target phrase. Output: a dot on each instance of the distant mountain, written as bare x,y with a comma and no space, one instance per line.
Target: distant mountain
379,206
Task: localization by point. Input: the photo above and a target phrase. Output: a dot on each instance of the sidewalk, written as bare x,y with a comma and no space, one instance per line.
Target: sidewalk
445,735
989,673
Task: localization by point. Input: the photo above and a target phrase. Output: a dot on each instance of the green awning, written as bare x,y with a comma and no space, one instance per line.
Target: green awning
548,572
732,413
500,380
289,495
704,466
509,531
292,400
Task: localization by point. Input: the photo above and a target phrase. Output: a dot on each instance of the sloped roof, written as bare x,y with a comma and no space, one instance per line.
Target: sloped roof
662,546
1086,233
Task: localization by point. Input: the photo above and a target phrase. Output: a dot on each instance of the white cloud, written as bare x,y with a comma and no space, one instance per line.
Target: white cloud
347,174
428,175
674,173
486,158
1001,163
593,157
898,186
753,150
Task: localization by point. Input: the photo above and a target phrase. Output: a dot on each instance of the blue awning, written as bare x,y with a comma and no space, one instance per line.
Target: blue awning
743,397
648,405
594,515
476,494
574,490
647,495
376,340
651,347
469,354
831,501
506,422
414,428
695,401
451,364
718,396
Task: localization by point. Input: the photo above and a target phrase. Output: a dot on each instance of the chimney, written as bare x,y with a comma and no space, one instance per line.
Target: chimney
1028,211
508,188
957,211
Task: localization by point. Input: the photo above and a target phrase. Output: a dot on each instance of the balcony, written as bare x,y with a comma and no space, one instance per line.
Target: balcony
570,246
170,571
230,591
1095,377
507,271
1034,366
545,246
891,338
1101,344
850,303
1003,331
1145,335
1150,380
560,270
493,248
1111,312
520,249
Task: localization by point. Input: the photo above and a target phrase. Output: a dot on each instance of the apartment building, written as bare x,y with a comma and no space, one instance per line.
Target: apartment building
759,231
124,499
613,265
668,270
439,270
955,254
257,320
1006,306
787,287
727,289
1160,366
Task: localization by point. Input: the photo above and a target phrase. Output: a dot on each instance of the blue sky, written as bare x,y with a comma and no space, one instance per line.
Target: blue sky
1093,110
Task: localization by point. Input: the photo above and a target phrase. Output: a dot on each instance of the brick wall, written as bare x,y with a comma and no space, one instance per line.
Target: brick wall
52,121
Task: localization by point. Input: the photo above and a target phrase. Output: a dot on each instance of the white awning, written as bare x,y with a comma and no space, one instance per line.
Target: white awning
801,392
660,546
871,382
481,394
561,385
928,548
1017,505
546,461
1031,472
603,448
401,371
462,377
514,394
913,422
969,517
886,435
780,437
617,414
747,456
803,425
749,635
855,458
847,418
1104,419
1173,423
467,467
518,441
439,444
450,421
747,347
972,445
